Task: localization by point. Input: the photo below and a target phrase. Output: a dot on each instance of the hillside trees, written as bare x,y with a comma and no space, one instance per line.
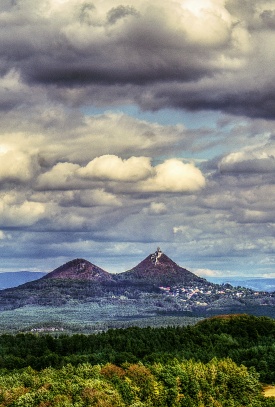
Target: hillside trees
177,384
245,339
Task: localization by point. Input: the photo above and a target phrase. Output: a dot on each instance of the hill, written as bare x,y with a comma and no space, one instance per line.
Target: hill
79,269
160,270
157,285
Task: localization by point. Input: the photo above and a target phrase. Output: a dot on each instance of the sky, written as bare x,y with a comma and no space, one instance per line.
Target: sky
127,125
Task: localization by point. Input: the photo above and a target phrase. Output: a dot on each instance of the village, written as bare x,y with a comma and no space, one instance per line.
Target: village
194,298
216,295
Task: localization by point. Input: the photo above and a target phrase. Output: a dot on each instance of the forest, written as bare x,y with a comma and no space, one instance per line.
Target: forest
220,361
219,383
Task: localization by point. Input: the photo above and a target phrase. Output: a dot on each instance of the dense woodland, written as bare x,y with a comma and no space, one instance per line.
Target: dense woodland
219,383
218,362
59,292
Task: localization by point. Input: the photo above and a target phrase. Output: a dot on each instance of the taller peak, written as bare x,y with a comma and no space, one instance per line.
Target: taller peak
160,270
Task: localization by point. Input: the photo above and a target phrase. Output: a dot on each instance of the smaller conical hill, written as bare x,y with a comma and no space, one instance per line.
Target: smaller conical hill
79,269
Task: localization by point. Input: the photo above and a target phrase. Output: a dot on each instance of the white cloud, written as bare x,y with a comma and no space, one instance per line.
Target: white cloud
157,208
255,216
209,273
2,235
113,168
25,214
15,166
55,135
174,176
206,22
179,229
96,197
66,220
130,175
248,162
61,176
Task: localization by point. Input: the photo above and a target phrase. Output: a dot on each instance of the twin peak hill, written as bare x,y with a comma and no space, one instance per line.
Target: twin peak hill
156,285
83,282
156,269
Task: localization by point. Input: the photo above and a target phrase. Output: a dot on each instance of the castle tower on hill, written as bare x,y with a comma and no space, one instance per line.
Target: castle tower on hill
155,256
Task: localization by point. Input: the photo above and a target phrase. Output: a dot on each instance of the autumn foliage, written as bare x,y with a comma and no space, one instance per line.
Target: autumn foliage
219,383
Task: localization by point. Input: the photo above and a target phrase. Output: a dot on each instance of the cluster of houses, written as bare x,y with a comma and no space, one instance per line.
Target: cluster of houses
47,329
204,295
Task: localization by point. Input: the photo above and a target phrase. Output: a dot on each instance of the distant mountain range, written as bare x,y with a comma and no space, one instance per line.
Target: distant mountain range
13,279
156,284
257,284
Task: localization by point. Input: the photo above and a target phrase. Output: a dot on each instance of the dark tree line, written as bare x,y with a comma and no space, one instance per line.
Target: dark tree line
247,340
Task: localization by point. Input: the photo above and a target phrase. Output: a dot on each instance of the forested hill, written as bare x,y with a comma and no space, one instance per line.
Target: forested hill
220,362
245,339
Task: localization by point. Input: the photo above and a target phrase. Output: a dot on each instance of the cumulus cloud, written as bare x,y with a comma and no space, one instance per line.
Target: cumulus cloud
2,235
157,208
19,214
174,176
15,166
89,198
179,229
171,176
54,135
61,176
247,162
211,14
13,91
98,197
209,273
250,215
113,168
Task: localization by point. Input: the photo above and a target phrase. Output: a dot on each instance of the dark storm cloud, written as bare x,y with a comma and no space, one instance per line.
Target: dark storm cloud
156,56
49,51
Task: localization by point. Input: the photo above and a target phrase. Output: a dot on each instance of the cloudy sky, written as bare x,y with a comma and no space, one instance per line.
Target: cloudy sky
131,124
